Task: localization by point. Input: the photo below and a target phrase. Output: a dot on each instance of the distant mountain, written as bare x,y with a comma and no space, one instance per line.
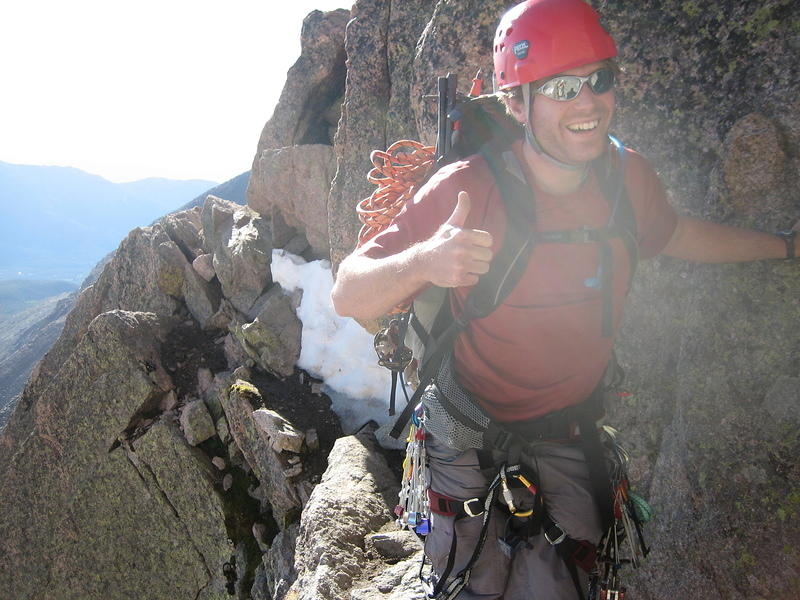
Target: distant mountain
24,339
234,190
57,222
20,294
32,312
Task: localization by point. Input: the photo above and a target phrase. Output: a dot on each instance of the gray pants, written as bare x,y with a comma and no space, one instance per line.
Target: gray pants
536,573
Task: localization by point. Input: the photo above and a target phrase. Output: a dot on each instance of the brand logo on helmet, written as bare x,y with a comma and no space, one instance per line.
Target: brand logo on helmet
521,49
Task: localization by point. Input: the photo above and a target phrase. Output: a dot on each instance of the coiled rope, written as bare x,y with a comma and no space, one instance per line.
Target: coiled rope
398,172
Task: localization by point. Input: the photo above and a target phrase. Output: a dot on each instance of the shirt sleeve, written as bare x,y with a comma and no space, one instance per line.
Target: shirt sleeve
655,218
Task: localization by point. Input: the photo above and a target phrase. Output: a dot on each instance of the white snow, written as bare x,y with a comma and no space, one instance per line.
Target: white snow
335,349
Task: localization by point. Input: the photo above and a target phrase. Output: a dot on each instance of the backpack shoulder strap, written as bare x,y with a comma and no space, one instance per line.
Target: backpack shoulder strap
493,287
611,177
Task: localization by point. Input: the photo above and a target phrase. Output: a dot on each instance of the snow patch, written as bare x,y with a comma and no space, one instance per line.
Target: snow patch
335,349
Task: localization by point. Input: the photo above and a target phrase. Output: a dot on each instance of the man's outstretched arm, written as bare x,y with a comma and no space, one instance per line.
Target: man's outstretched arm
704,241
453,256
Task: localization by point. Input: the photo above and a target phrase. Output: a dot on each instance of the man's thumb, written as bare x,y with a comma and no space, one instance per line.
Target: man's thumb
460,212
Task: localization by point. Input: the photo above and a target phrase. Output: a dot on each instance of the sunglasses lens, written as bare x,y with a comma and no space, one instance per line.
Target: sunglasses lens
562,88
601,80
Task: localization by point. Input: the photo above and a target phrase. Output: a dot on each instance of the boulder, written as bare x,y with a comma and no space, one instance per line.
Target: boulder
196,422
395,544
296,182
202,298
272,339
395,582
240,401
241,244
351,501
281,434
204,265
88,490
184,228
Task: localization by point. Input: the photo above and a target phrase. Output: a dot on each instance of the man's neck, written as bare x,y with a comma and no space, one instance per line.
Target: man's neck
550,177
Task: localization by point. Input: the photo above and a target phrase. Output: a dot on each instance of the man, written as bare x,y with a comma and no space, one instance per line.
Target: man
544,349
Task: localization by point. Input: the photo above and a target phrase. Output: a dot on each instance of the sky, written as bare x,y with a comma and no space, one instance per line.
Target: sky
148,88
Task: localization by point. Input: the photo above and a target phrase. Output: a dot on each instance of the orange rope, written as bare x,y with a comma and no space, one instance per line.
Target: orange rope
398,173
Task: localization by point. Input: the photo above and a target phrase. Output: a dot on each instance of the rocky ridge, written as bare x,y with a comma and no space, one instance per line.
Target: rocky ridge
169,448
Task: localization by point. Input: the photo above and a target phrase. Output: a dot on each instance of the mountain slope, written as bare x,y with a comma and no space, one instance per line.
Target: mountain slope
56,222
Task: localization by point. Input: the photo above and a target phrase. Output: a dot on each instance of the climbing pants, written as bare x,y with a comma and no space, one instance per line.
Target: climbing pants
532,571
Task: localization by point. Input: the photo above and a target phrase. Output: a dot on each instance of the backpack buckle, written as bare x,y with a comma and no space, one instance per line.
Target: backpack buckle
468,507
555,537
503,441
584,235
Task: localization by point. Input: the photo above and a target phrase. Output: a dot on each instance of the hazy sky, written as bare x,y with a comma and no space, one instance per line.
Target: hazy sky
146,88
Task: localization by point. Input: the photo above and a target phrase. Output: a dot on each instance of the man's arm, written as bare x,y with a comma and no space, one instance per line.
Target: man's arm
367,288
704,241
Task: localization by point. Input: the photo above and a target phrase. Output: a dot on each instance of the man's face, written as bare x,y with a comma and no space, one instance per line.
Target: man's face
574,131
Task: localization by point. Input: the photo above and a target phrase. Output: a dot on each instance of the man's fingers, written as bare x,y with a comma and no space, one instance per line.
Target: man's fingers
478,267
460,212
479,253
480,238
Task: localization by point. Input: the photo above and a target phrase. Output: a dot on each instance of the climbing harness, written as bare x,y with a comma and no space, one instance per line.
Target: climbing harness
602,563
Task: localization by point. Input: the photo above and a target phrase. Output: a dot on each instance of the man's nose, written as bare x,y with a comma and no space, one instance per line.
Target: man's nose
585,98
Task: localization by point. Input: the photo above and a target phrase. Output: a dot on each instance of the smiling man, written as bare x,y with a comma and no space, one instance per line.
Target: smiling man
535,366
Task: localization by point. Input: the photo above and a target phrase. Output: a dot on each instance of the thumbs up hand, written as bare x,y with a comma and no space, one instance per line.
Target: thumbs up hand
455,256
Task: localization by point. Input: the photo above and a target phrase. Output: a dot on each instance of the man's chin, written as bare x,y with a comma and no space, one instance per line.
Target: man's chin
585,151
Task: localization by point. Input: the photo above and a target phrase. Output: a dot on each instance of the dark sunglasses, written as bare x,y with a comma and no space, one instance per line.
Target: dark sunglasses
566,87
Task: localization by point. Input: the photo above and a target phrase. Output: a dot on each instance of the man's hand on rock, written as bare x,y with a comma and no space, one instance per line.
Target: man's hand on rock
455,256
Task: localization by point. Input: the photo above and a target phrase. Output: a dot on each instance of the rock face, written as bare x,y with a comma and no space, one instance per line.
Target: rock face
100,482
133,466
299,180
294,163
381,43
330,557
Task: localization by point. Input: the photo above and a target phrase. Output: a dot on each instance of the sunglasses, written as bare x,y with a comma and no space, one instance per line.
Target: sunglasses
563,88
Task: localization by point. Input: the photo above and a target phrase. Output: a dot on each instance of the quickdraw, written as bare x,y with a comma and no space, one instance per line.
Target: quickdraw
413,508
630,513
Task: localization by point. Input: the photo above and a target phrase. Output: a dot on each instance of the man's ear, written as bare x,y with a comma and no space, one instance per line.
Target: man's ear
517,109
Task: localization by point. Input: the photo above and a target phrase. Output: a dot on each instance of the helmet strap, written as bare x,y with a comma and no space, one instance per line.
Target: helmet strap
531,138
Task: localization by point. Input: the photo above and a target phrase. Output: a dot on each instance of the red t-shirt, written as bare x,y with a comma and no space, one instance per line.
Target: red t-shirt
542,349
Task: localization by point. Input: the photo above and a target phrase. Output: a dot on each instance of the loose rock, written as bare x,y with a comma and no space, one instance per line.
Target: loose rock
196,422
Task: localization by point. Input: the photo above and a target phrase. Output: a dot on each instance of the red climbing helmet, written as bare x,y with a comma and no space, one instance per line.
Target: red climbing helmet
540,38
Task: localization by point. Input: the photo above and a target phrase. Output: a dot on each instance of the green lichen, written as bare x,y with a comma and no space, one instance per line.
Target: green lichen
690,8
745,560
762,23
170,281
245,388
